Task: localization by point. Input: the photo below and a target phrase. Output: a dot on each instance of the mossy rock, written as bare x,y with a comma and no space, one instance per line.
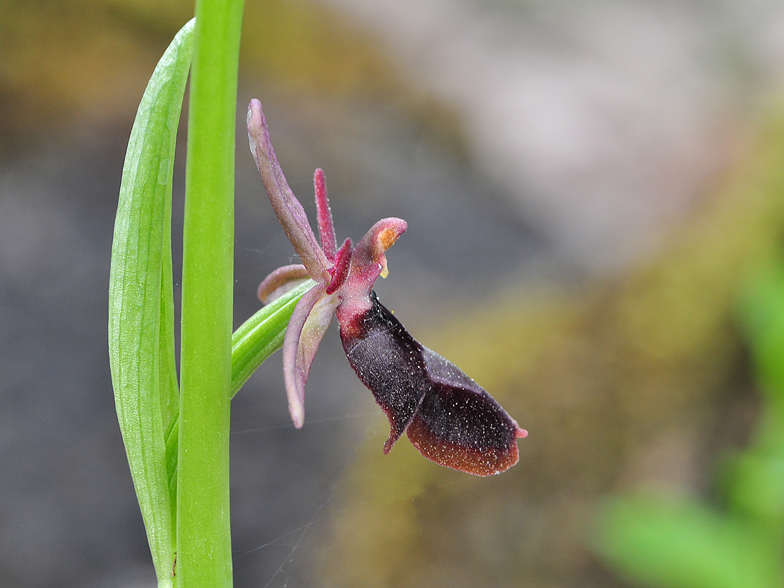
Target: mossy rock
640,382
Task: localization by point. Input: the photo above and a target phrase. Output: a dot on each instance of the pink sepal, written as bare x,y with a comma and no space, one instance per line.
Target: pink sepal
287,208
281,281
307,326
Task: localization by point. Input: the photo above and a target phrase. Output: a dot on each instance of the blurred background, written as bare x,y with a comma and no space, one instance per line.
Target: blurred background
593,189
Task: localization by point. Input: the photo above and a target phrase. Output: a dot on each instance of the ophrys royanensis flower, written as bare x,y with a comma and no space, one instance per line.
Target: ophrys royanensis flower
447,416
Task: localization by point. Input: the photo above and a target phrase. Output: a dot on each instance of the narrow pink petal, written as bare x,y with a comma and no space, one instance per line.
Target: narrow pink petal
287,208
307,325
281,281
326,228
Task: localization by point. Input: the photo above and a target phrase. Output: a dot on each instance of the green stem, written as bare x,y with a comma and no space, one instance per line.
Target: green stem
203,530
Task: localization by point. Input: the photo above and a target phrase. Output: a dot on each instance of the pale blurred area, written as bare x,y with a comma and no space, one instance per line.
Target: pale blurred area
603,122
588,185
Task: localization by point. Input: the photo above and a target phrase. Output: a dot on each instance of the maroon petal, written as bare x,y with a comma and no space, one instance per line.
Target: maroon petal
339,271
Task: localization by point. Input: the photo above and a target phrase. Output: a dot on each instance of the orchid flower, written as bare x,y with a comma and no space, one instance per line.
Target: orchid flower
449,418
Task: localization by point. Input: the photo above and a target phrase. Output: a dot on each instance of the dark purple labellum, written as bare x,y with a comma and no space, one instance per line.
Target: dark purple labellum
448,417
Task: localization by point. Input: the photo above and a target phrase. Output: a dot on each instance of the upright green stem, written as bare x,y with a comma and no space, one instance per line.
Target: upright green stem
203,531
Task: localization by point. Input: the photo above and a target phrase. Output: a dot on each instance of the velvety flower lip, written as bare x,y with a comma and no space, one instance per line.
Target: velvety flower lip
449,418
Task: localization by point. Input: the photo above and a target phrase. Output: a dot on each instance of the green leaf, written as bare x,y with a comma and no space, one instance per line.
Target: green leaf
262,335
762,319
683,544
755,480
141,317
